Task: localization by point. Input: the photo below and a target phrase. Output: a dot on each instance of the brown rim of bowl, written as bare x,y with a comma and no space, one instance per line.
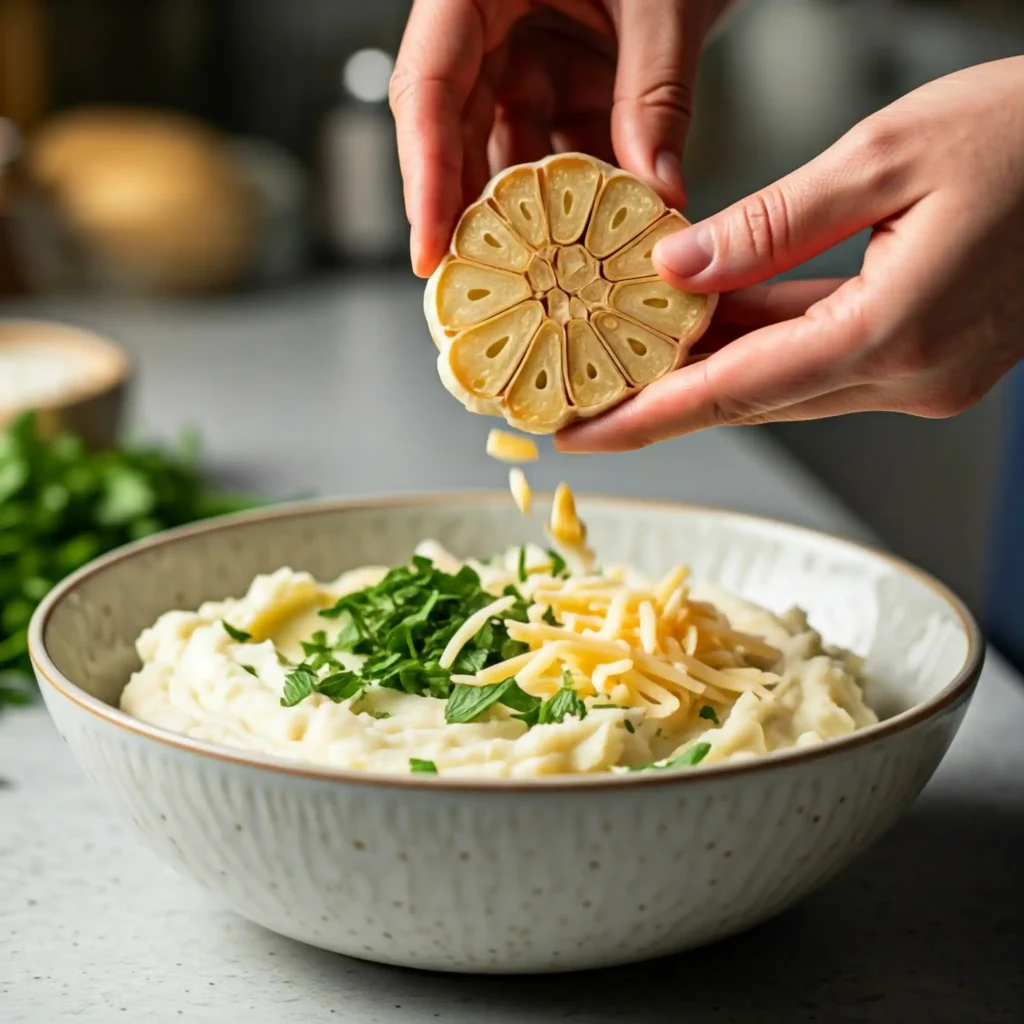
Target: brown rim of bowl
953,693
112,360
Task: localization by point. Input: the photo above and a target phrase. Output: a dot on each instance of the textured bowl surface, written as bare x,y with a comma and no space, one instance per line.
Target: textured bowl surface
490,876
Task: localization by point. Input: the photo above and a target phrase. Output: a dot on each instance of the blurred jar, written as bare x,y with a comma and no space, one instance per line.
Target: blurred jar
360,182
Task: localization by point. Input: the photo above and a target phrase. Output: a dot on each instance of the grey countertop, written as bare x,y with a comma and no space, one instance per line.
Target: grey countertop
330,388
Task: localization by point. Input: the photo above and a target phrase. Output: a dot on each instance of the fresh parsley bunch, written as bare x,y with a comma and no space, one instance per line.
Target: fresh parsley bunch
62,505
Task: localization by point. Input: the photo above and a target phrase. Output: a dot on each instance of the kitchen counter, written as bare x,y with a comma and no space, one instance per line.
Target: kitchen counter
330,388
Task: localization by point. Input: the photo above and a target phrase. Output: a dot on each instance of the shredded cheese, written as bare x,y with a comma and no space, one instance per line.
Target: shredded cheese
508,447
646,647
470,628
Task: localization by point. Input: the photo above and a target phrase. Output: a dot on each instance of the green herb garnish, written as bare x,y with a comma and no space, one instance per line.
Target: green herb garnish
630,728
549,616
469,702
298,685
302,681
522,565
380,715
238,635
417,764
402,625
251,670
558,564
565,702
708,712
62,505
693,756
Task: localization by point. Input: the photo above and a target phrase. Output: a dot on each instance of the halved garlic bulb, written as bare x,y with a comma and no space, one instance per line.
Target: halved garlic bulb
547,308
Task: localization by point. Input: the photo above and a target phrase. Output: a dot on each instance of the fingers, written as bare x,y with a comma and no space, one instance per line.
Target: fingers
842,402
745,381
741,312
525,109
653,104
437,68
855,184
766,304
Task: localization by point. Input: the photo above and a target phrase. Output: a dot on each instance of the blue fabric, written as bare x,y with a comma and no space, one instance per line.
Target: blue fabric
1005,599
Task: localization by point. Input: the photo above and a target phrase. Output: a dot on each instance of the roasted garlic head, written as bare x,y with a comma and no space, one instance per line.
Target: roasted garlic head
547,308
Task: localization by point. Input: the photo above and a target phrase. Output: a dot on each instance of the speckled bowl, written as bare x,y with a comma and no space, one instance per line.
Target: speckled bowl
495,876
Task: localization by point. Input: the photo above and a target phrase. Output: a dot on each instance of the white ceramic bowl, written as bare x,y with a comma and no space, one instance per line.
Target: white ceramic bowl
496,875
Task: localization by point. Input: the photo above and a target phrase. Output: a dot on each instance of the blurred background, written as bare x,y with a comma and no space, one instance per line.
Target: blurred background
210,175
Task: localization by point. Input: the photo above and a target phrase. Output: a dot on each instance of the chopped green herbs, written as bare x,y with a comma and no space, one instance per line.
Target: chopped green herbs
549,616
630,727
238,635
400,628
302,681
521,568
340,686
62,505
693,756
565,702
469,702
251,670
379,715
708,712
417,764
602,707
558,564
298,685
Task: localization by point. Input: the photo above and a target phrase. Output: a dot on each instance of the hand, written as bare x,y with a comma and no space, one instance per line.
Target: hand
933,320
482,84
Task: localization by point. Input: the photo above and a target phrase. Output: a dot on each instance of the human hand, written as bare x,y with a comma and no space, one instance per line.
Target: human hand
933,320
483,84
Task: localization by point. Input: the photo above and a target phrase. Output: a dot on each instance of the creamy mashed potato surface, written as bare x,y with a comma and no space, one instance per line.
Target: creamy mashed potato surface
611,672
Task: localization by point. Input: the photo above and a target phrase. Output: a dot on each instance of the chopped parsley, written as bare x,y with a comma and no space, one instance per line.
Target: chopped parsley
251,670
469,702
630,727
708,712
602,707
549,616
558,564
693,756
565,702
417,764
301,682
380,715
238,635
521,568
400,627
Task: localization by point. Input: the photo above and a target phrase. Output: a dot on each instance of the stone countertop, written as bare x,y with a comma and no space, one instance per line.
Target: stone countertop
329,388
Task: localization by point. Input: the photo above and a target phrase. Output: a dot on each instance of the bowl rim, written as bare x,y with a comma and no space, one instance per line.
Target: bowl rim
113,365
956,690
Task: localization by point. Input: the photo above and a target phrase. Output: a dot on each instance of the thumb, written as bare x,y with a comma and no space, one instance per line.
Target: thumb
657,67
852,186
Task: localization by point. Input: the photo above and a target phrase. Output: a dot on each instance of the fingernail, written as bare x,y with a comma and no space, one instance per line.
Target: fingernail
686,253
414,247
669,169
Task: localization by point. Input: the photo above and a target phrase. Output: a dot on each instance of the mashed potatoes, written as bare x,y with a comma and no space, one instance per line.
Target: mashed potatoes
514,668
